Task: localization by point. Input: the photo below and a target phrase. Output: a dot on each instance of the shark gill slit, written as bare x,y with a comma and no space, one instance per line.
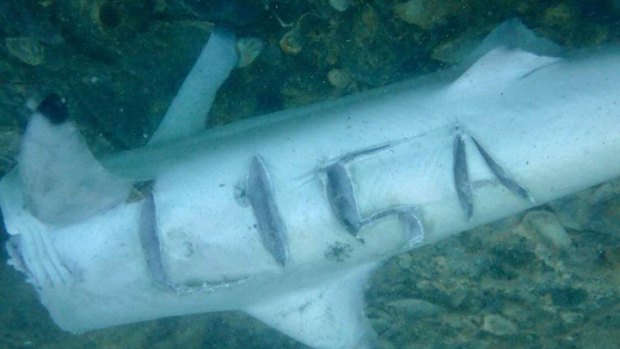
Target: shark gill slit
504,178
462,184
271,227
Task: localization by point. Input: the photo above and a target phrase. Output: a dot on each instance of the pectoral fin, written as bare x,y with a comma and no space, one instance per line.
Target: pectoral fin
329,315
508,53
189,109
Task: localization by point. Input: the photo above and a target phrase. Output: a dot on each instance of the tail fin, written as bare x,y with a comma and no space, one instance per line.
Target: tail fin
61,181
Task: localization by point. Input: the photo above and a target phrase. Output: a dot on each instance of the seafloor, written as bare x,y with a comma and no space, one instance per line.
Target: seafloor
548,278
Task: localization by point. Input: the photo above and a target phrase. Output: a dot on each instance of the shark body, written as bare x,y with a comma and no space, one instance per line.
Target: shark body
285,216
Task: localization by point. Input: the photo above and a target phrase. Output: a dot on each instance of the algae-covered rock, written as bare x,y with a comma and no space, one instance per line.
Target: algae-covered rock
498,325
341,5
27,50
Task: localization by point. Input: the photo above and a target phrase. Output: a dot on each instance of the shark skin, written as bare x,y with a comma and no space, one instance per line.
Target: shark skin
285,216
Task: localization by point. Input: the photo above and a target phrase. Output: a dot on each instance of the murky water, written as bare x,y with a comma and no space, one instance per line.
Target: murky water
118,63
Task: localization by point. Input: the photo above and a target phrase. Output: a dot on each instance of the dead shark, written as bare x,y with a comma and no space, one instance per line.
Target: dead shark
285,216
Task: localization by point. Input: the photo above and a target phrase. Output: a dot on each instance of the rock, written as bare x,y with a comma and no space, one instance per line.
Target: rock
368,57
405,261
549,227
568,296
234,13
455,51
292,42
594,209
560,15
339,78
611,257
248,49
32,18
101,27
9,147
27,50
413,12
497,325
414,308
340,5
427,14
386,345
572,318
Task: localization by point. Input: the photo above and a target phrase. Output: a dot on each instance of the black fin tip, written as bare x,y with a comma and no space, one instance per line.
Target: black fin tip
54,109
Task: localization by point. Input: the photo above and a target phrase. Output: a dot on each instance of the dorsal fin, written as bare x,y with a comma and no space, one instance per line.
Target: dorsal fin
513,34
329,314
61,180
189,109
509,52
498,68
